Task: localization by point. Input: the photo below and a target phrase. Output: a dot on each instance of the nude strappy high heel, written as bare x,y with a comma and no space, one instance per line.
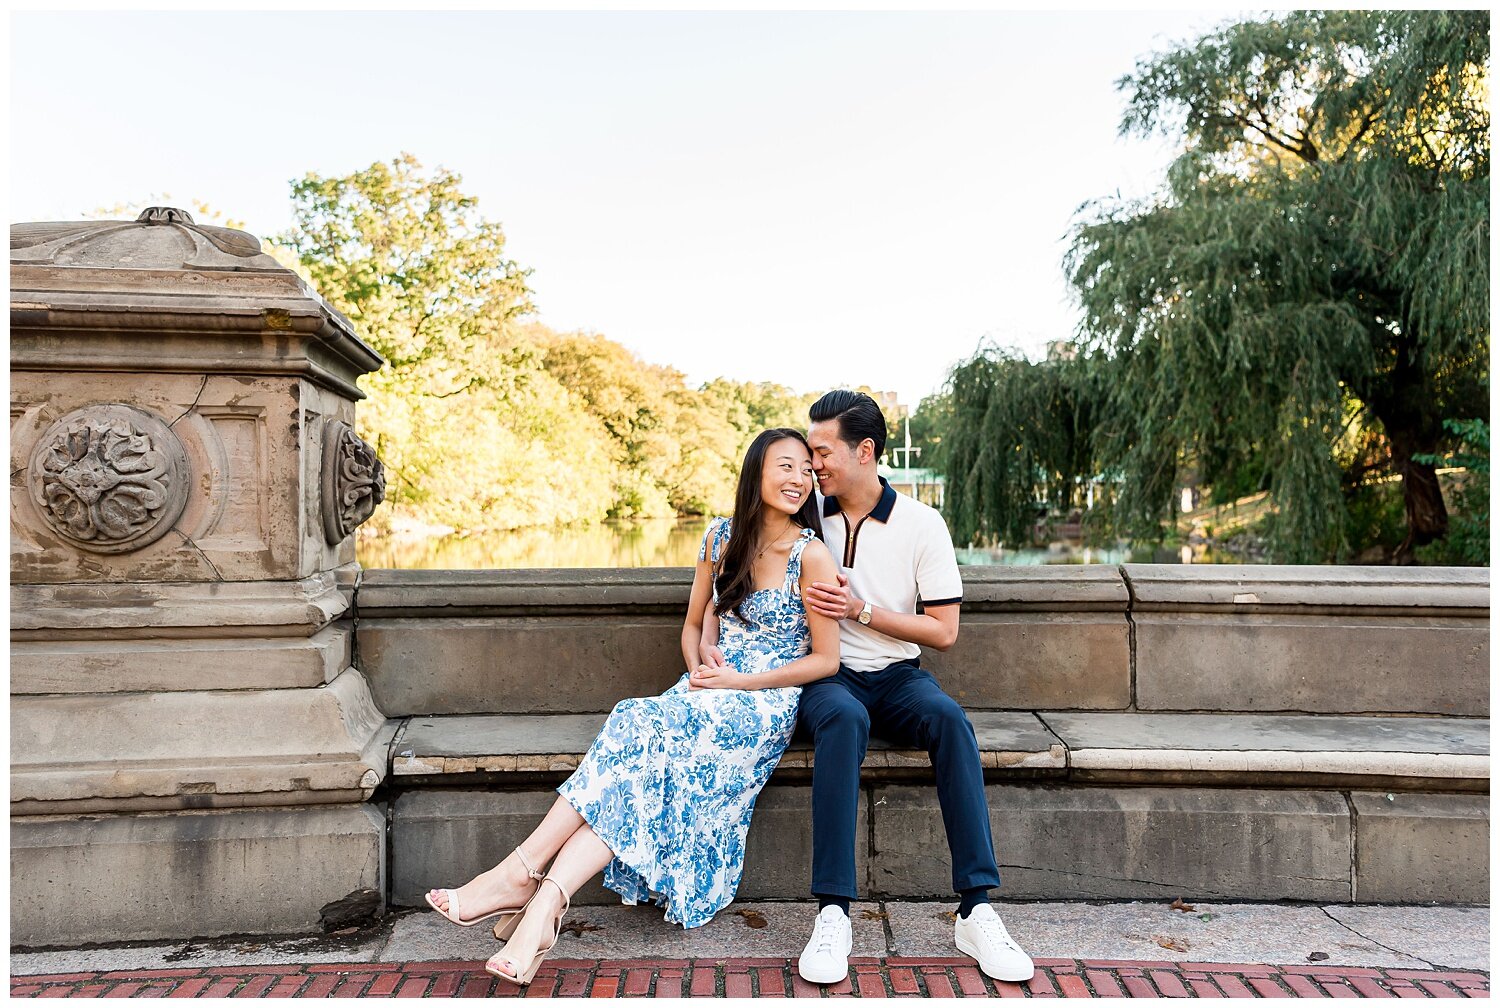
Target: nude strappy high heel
524,977
509,916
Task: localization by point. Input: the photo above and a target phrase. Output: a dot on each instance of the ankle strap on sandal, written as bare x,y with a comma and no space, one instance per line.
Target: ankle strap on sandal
567,901
536,875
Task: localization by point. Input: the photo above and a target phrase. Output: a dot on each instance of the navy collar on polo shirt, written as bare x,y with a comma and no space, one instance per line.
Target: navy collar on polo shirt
881,512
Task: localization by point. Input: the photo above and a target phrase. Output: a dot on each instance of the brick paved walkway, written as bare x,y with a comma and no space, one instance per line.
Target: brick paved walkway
925,977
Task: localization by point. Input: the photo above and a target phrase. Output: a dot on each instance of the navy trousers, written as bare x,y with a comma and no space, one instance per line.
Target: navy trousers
903,704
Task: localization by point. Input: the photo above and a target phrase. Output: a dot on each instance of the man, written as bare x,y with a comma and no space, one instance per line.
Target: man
891,550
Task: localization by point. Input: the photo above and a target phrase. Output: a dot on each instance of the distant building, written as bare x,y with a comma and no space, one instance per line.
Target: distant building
1062,350
926,485
897,465
890,405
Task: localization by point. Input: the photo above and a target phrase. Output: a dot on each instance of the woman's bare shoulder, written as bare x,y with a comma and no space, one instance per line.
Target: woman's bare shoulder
817,554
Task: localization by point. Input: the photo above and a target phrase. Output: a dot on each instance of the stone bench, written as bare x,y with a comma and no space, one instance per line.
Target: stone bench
1083,805
441,745
1248,750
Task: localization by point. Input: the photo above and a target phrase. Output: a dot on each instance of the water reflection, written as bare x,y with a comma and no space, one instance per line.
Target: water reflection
1056,553
674,543
649,543
1072,551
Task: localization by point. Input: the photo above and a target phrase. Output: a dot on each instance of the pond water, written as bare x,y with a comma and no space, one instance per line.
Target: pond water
674,543
664,542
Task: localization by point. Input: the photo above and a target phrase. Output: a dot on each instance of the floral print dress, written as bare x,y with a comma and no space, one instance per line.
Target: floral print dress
671,780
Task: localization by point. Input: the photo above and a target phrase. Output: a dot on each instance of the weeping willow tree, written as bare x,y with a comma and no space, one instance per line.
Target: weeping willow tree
1017,441
1300,307
1315,271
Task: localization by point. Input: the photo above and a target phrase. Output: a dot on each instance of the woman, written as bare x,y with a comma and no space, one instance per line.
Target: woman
661,802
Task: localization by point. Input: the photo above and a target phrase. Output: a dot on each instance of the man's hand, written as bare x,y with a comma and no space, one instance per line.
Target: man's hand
711,656
833,601
725,677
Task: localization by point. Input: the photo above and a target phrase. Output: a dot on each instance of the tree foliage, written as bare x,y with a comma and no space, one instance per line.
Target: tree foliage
1468,539
485,419
407,256
672,452
995,486
1314,270
751,407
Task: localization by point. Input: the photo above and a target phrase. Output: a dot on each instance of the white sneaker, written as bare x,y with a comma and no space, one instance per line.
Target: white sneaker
985,938
826,958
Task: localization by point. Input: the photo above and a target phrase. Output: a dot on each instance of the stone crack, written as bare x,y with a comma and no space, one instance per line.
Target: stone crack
204,556
1372,941
1170,886
201,389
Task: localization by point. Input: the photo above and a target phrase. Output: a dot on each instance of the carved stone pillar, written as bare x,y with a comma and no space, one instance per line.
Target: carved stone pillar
192,748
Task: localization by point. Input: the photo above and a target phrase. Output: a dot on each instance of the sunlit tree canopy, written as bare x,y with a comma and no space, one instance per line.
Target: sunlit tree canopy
1305,301
485,418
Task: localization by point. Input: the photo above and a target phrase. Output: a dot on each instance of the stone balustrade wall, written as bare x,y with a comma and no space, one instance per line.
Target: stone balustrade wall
205,688
1134,637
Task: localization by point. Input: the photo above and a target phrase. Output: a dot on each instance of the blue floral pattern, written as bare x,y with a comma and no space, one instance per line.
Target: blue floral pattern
671,780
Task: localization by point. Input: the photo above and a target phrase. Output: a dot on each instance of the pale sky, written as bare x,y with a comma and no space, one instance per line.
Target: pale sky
849,198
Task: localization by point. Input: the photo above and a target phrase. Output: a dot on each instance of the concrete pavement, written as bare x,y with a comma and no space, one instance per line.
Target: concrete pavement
1127,940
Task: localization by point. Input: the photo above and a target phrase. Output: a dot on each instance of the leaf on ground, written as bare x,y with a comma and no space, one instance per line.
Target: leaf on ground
950,915
1316,956
753,918
1177,904
868,914
578,927
1175,944
1207,917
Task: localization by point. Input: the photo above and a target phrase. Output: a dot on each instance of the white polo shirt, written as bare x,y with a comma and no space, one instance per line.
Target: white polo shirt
898,553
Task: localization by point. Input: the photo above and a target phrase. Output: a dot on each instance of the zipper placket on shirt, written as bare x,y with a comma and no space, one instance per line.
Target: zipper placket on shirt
851,540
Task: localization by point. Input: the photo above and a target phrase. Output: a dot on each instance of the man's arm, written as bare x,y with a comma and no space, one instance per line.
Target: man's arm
936,627
935,570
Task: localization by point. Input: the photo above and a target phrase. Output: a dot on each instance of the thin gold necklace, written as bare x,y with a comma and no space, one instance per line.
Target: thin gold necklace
773,542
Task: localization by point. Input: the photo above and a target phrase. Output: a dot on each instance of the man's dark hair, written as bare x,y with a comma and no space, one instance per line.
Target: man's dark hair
858,415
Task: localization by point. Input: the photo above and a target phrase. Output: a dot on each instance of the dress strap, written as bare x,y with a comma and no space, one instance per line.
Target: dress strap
794,560
714,539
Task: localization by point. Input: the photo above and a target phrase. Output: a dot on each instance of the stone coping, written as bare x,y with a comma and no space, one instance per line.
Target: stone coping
1309,588
63,320
153,611
1428,750
439,593
1231,588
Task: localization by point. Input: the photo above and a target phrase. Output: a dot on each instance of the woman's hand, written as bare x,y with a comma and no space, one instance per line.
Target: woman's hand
711,656
719,677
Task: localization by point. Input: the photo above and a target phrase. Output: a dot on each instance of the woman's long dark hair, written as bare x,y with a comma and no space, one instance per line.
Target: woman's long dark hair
735,574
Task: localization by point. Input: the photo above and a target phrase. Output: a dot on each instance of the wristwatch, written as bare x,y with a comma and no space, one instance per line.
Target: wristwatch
864,615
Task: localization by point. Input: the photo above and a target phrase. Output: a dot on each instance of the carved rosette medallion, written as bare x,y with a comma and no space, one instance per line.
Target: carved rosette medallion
353,481
109,478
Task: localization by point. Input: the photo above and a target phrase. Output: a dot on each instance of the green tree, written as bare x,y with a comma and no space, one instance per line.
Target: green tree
672,453
751,407
1318,260
1016,443
465,416
415,266
1320,257
1468,539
